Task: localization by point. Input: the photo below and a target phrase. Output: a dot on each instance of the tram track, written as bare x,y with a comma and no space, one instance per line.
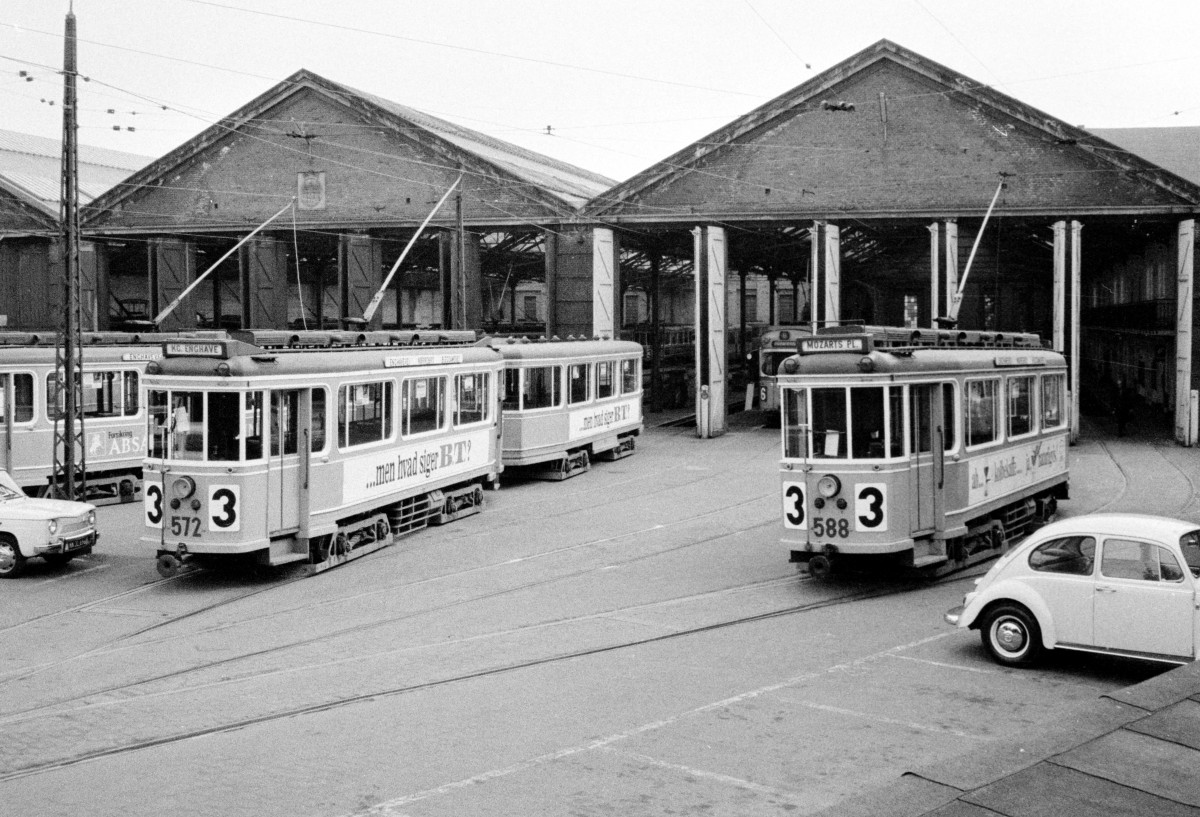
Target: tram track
336,702
1121,499
359,629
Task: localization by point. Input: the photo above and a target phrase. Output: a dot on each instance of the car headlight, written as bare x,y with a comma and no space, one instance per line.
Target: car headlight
828,486
52,526
91,518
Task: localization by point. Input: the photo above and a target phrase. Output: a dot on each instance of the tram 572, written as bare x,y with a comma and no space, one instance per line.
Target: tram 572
278,447
929,448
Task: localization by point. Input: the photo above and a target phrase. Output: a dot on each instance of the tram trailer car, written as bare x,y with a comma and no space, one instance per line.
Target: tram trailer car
929,448
775,345
275,448
568,402
113,415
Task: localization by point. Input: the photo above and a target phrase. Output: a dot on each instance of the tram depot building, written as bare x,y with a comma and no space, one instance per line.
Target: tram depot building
857,196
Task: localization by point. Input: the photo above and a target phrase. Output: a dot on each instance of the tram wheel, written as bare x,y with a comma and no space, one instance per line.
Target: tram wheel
341,543
382,530
12,563
167,565
819,567
1012,636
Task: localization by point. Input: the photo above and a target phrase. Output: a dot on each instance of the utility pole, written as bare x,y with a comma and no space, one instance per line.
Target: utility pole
69,466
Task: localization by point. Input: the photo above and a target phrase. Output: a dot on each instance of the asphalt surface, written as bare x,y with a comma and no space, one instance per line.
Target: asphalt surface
1135,752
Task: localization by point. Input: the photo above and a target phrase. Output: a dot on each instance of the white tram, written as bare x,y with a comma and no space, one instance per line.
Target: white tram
932,448
112,419
776,344
319,447
566,402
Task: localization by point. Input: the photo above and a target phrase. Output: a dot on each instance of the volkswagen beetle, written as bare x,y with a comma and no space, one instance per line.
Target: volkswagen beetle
1119,584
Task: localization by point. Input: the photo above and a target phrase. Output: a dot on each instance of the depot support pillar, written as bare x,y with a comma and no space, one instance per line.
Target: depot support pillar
1185,335
935,301
825,273
606,286
709,260
1076,274
950,259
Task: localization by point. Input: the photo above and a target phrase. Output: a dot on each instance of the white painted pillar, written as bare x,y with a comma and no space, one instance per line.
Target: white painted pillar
833,273
709,260
604,265
935,301
1185,431
951,260
1076,275
1059,295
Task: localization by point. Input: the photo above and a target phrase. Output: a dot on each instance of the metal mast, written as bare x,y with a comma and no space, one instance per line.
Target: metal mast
69,465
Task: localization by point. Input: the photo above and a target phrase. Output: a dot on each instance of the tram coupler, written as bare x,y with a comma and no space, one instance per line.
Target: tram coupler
168,564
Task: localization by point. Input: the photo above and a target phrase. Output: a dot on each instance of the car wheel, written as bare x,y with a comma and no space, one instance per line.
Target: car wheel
1012,636
12,563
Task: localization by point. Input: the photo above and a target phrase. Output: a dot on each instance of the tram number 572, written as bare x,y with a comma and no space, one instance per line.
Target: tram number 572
870,511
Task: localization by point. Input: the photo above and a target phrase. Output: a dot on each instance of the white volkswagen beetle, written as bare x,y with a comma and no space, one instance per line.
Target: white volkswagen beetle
56,530
1120,584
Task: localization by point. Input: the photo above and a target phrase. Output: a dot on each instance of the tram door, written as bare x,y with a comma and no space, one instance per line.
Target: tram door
283,467
6,415
926,474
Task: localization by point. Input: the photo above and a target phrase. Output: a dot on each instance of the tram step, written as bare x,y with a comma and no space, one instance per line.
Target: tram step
929,560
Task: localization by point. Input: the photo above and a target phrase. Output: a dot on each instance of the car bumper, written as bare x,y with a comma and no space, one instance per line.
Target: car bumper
954,614
69,544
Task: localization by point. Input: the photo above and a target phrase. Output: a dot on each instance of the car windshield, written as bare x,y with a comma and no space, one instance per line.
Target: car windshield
1189,543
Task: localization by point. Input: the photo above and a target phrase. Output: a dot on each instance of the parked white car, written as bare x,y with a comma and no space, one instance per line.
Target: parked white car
1120,584
54,529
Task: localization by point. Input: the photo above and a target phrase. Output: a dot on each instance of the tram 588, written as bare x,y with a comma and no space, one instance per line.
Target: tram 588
928,448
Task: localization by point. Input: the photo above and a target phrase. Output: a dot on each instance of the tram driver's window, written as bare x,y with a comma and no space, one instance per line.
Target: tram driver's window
22,409
579,376
829,423
1020,406
158,422
982,412
866,427
319,416
223,432
795,423
949,417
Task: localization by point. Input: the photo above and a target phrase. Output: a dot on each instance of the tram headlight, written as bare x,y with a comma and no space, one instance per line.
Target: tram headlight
828,486
791,365
153,368
866,364
223,369
183,487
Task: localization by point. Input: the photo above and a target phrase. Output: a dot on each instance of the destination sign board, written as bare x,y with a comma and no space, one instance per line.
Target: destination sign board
810,346
176,348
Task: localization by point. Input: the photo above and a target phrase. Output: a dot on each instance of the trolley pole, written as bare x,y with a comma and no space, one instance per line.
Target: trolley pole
69,466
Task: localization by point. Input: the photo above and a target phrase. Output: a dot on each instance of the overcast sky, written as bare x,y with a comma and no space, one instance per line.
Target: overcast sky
621,83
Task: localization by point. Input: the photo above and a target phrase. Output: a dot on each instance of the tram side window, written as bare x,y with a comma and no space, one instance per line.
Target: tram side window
130,397
795,423
1020,406
22,390
364,413
512,389
541,387
319,417
578,375
829,423
471,398
422,405
630,380
949,417
605,385
1053,399
982,410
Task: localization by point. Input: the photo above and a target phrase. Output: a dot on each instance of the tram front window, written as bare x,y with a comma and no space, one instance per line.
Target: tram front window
795,423
845,423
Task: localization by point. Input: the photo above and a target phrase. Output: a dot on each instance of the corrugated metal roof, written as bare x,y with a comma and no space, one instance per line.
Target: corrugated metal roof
34,164
571,182
1174,149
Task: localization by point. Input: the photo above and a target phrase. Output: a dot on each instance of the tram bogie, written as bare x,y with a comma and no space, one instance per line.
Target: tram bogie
918,450
568,403
299,451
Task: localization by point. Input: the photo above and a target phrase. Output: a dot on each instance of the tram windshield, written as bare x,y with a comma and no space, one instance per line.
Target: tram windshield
212,426
856,422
